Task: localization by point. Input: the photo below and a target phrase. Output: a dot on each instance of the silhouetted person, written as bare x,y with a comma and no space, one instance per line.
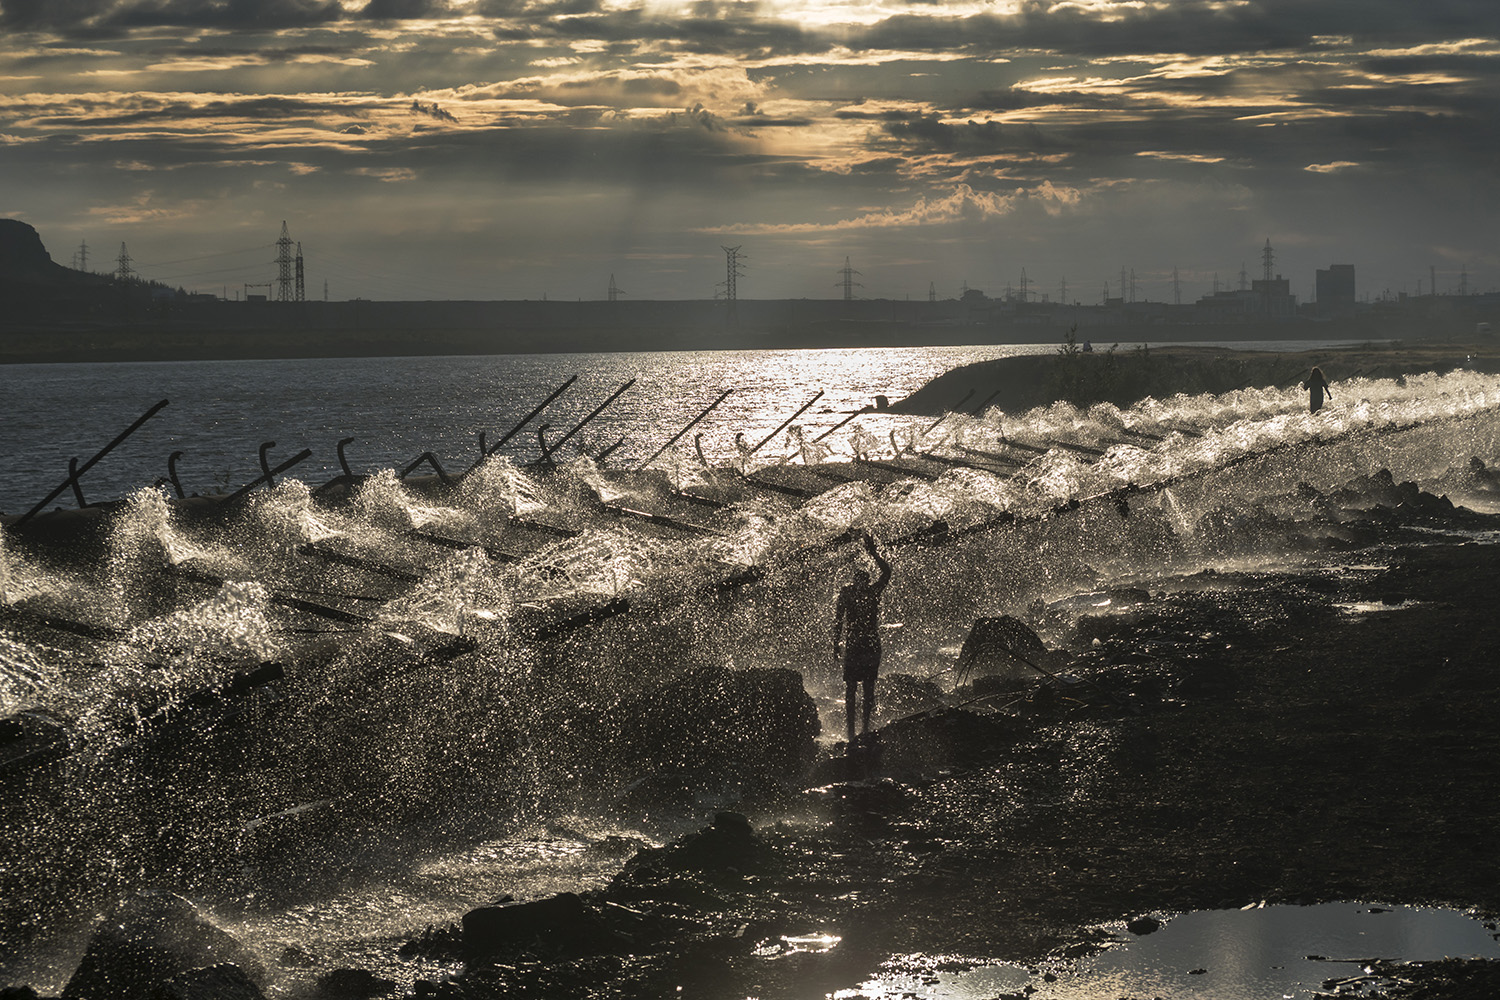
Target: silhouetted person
859,606
1317,384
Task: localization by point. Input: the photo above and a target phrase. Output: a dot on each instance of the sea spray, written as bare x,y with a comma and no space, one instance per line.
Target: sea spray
385,720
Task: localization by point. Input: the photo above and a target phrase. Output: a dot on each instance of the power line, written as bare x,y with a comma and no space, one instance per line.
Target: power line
218,270
206,256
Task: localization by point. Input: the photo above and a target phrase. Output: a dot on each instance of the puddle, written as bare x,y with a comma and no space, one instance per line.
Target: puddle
1252,954
1370,607
815,944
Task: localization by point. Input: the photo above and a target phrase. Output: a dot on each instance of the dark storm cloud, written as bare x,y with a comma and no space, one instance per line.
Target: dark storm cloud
693,148
226,13
196,114
751,116
733,32
432,111
55,14
932,133
688,149
100,16
404,10
1191,27
1470,65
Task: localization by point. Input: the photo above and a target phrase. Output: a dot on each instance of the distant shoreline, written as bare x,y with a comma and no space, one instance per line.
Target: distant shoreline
1125,377
169,342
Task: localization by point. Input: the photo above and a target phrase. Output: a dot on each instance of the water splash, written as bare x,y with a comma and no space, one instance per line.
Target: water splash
361,601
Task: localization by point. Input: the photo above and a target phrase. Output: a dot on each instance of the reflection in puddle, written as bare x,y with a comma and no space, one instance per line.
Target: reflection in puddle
814,944
1250,954
1367,607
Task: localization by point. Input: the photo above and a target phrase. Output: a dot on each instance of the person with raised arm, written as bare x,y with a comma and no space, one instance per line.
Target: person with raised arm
856,626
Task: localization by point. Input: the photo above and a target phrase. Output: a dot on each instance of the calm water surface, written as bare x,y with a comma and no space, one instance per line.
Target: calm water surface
398,408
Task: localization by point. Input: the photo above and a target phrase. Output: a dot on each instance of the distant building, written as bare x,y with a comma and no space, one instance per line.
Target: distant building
1263,300
1335,290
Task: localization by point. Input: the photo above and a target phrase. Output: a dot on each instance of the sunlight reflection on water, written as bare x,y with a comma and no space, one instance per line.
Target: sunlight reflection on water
1250,954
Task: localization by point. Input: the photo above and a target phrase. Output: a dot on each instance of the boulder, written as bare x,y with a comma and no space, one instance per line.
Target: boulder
996,646
720,854
561,924
147,941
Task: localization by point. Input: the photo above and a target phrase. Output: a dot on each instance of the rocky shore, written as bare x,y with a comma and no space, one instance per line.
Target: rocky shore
1320,729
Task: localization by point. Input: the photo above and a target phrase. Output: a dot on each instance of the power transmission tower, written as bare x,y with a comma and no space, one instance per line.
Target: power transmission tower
284,290
123,270
932,291
83,256
1124,287
1132,284
1267,260
615,291
1176,287
1244,278
1024,285
301,291
846,279
1062,294
325,289
732,274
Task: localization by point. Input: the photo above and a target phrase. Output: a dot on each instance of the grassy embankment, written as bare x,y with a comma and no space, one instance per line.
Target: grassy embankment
1124,377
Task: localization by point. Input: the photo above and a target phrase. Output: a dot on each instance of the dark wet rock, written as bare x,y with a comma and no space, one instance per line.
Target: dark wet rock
1143,925
435,942
18,993
561,924
1000,645
217,982
356,984
695,868
147,940
729,844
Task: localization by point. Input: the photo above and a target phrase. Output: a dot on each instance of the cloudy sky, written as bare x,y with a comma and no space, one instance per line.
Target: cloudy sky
520,148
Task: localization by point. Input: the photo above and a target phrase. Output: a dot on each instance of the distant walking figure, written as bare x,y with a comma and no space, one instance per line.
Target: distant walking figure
1316,386
859,605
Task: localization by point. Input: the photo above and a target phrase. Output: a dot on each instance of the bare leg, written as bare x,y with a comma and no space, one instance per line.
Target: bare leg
849,689
869,703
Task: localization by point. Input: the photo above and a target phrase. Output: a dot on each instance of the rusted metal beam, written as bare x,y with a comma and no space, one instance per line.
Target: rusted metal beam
690,424
73,473
585,421
785,424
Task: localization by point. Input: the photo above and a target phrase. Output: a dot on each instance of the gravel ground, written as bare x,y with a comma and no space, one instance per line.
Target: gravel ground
1293,736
